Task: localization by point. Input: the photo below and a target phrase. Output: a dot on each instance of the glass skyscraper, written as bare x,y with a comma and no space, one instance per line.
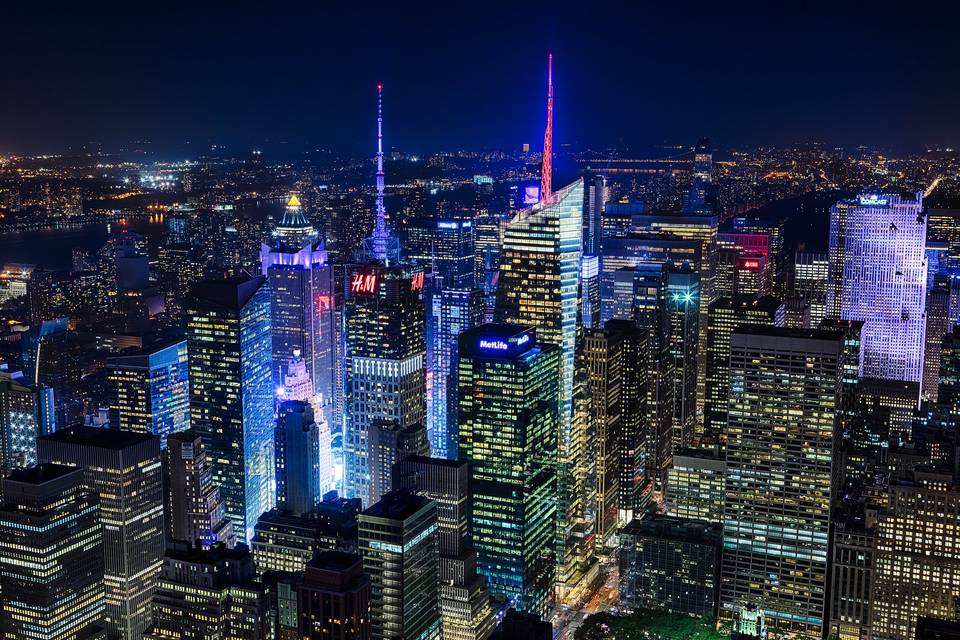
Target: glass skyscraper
444,247
151,390
878,274
509,397
539,287
231,392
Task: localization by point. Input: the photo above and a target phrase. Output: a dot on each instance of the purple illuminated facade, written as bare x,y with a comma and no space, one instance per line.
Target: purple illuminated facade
878,274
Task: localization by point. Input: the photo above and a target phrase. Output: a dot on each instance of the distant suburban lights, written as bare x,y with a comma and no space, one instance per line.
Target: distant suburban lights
364,282
494,345
417,282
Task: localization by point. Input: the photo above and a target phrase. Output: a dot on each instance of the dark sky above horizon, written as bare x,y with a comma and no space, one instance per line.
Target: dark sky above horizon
473,75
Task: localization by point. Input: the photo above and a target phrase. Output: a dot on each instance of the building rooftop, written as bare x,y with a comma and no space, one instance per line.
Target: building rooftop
103,438
234,292
40,474
397,505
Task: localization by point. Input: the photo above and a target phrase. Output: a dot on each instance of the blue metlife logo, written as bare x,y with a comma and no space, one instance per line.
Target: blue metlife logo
493,345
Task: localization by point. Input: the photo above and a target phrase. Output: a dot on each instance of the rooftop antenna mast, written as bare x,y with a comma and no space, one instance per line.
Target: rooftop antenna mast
546,172
380,233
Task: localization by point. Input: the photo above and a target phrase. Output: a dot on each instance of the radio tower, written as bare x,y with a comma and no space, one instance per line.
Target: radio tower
380,235
546,173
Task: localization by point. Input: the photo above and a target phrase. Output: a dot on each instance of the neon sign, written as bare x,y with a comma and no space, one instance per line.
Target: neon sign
751,264
873,200
364,282
524,339
493,345
416,283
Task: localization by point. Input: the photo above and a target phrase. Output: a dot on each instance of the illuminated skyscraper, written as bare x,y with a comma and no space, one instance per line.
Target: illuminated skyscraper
450,312
539,287
123,469
696,485
388,444
51,556
726,316
151,390
683,313
231,392
297,455
303,309
509,397
784,394
937,326
443,247
194,509
333,599
597,195
917,569
386,356
19,422
878,274
399,543
810,272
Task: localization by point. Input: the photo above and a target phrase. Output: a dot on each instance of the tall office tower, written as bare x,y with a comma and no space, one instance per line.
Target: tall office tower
387,444
626,253
596,196
634,482
386,353
617,219
194,509
900,398
297,456
51,358
743,264
672,564
851,578
444,247
539,287
231,392
333,598
703,229
943,226
727,315
150,389
297,385
303,309
773,229
51,556
401,555
916,569
464,603
449,312
487,238
699,199
784,392
696,484
810,272
878,274
509,396
209,593
948,390
590,301
937,326
683,313
123,469
19,422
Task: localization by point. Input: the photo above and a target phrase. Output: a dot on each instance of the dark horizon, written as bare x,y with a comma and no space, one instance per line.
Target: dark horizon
474,77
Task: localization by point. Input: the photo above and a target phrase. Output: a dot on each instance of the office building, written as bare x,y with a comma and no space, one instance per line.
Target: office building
386,354
671,564
303,305
508,412
51,556
150,389
784,389
19,422
682,309
231,392
333,599
878,274
916,568
696,485
297,457
194,508
465,609
810,272
596,194
539,287
726,316
387,444
401,555
122,468
937,327
450,312
851,582
443,247
900,398
209,593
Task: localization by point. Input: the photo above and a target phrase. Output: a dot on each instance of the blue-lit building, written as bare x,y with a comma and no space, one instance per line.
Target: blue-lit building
450,312
231,392
304,304
150,389
508,390
444,247
297,454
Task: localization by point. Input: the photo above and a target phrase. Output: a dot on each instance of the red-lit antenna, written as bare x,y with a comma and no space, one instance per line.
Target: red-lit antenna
546,173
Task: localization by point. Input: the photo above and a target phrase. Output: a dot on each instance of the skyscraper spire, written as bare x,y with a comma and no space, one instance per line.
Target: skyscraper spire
546,173
380,232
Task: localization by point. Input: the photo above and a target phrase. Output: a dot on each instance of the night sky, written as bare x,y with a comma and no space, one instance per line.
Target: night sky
473,74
